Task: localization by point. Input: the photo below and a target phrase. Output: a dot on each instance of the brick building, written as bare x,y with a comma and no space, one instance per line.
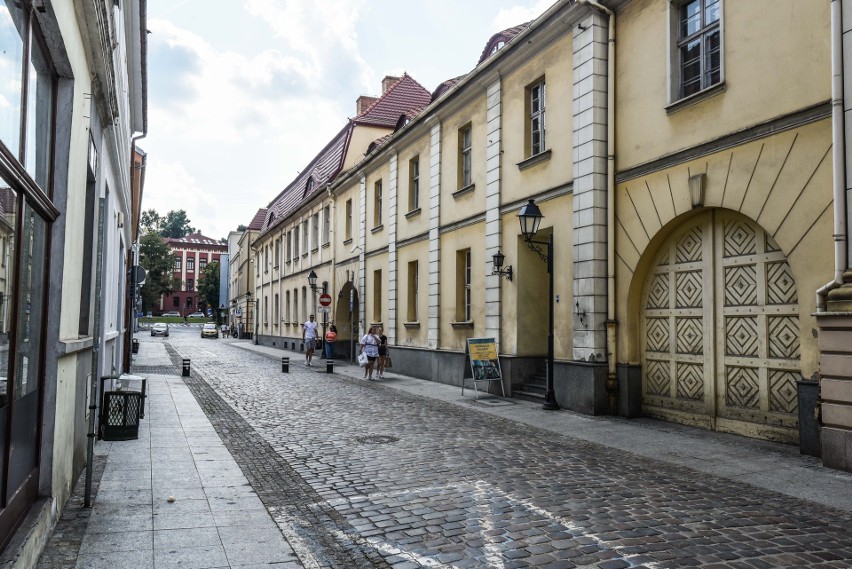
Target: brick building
192,254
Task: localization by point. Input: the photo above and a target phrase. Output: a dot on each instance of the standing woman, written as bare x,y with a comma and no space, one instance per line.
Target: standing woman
383,351
370,348
330,339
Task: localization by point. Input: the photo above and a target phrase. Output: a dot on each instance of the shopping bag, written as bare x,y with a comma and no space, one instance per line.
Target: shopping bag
388,362
362,359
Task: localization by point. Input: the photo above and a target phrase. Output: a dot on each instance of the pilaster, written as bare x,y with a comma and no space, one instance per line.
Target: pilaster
362,242
393,200
590,165
434,330
493,283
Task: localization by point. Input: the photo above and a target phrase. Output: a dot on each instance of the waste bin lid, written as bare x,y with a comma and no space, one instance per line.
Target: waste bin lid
127,382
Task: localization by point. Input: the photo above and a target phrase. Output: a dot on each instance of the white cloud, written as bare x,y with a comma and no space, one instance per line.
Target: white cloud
508,17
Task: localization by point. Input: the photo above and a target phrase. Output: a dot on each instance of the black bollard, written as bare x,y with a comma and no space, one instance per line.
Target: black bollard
285,365
329,366
185,367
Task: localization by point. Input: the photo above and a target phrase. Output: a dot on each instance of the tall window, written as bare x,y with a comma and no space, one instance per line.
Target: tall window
699,45
295,306
463,281
177,262
377,203
287,306
326,227
536,102
377,296
305,234
296,250
465,141
304,304
288,250
202,262
413,290
266,311
275,311
277,252
414,183
190,264
190,284
315,223
348,232
176,301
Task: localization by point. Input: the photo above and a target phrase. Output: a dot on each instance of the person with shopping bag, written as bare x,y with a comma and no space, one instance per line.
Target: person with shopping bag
330,339
370,348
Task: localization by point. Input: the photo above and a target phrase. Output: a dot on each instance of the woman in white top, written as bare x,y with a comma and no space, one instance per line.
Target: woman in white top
370,348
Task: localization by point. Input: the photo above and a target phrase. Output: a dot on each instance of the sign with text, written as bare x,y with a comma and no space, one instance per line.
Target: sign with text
484,362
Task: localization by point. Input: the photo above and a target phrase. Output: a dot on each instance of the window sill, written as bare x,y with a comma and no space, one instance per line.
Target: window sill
462,325
413,213
304,255
411,325
347,241
462,191
315,249
533,160
326,245
275,268
376,229
695,98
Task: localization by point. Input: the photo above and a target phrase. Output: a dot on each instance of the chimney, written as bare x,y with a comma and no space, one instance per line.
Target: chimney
363,103
388,82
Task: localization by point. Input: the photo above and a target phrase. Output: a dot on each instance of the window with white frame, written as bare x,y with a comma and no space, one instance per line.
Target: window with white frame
536,104
177,262
296,250
277,253
305,235
275,311
377,203
699,45
295,317
326,226
463,283
414,183
288,250
413,290
377,295
190,264
287,306
464,158
315,223
202,262
348,232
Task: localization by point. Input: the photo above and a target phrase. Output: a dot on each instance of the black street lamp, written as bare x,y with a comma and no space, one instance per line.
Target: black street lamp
312,280
530,219
497,260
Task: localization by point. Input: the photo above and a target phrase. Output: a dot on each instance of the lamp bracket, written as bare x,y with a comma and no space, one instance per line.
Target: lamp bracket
535,246
507,272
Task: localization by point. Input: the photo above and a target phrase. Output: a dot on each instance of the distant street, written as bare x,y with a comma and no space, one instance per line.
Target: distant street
357,474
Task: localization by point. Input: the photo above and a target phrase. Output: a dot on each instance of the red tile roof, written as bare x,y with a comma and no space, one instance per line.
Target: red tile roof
445,86
194,240
406,97
257,221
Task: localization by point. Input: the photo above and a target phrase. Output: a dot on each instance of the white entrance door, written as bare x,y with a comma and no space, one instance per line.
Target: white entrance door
721,345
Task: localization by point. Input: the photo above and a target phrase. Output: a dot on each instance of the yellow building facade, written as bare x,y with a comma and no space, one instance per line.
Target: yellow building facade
686,184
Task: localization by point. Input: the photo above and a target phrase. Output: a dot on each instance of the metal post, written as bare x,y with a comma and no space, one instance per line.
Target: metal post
329,365
285,365
185,372
550,396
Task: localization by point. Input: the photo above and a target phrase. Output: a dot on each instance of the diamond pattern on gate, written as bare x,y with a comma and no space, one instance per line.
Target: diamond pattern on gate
688,287
783,337
657,334
771,245
780,286
688,248
690,381
741,336
783,395
658,297
658,377
741,285
742,389
690,335
740,239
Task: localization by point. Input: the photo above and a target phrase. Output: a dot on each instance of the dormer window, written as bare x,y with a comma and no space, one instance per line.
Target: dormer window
497,47
309,186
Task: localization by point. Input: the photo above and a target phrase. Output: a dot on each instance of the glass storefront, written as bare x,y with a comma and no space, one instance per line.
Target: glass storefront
27,98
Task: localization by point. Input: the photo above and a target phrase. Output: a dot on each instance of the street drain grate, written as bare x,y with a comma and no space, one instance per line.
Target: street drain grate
377,439
495,402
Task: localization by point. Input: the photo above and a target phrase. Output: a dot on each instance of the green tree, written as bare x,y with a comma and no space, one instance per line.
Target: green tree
155,257
176,224
151,220
208,285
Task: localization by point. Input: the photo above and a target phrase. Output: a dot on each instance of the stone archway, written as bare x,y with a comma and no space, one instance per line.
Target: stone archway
720,330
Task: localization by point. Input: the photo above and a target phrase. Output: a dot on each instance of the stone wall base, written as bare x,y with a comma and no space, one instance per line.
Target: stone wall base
837,448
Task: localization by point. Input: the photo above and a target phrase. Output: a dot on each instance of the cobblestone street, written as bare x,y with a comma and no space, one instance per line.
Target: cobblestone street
358,474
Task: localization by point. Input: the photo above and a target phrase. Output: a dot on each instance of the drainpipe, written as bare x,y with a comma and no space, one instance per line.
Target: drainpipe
611,323
838,157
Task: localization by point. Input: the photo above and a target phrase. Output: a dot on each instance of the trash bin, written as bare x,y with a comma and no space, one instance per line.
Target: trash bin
809,436
135,345
122,407
121,415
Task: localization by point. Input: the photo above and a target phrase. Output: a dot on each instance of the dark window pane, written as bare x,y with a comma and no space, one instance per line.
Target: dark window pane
8,218
39,112
690,18
712,12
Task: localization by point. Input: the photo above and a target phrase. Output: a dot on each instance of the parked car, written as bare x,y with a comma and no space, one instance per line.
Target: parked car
209,330
197,315
173,313
160,329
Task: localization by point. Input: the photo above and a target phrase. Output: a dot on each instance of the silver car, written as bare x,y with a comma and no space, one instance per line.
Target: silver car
160,329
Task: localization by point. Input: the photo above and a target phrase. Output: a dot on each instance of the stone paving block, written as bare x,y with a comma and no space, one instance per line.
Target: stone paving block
202,557
116,560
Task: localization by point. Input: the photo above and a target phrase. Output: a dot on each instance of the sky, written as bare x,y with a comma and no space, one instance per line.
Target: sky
243,93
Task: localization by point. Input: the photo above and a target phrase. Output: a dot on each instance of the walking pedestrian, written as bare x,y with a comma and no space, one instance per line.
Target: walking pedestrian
383,352
370,348
309,336
330,339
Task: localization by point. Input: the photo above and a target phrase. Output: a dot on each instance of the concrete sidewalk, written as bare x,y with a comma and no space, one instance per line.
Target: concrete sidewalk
771,466
174,497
